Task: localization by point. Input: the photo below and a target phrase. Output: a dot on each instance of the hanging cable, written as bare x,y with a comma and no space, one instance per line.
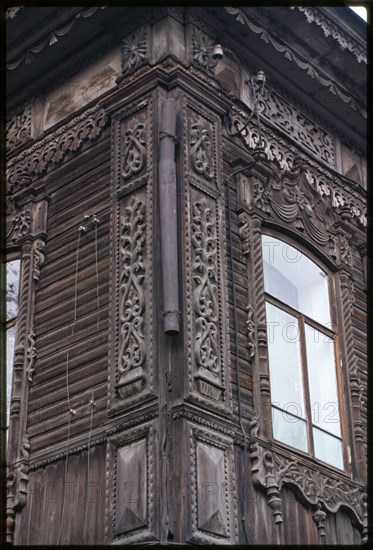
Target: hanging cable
92,405
235,329
96,222
71,412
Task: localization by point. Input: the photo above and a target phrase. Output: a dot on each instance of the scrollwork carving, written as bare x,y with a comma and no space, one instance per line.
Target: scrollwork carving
200,151
132,283
19,129
134,147
39,256
337,195
31,356
251,332
53,148
21,224
205,285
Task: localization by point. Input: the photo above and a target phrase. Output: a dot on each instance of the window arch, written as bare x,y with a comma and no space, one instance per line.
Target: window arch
302,339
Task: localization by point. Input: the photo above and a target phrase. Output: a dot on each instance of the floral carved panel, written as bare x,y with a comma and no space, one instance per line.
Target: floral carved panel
132,296
131,342
208,342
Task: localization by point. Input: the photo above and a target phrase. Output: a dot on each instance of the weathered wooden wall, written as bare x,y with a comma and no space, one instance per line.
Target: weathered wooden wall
169,416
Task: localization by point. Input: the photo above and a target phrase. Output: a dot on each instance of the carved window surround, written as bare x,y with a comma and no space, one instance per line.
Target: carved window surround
27,233
285,202
274,466
285,158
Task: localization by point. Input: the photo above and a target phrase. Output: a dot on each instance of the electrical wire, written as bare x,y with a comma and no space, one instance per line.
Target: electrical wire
70,410
235,325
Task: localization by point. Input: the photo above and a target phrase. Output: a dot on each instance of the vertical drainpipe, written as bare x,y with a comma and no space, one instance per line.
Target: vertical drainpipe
168,217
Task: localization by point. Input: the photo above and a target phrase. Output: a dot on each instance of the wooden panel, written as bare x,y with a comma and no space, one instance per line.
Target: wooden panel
65,503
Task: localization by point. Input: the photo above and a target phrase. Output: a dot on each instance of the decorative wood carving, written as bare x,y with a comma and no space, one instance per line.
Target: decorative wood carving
31,355
206,298
202,47
347,299
51,38
201,154
131,338
19,129
330,29
39,256
337,195
134,150
70,138
243,17
317,485
132,298
134,50
204,253
319,517
28,227
302,129
213,507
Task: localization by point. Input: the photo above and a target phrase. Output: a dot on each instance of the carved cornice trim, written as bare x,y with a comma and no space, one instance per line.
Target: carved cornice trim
28,56
346,200
54,147
316,485
289,53
330,29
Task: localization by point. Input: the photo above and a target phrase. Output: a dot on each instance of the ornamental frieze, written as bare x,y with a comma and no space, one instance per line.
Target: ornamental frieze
297,126
316,485
341,197
53,149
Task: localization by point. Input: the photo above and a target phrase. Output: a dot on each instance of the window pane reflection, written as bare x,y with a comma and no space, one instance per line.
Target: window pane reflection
284,360
328,448
289,429
322,381
12,288
10,339
294,279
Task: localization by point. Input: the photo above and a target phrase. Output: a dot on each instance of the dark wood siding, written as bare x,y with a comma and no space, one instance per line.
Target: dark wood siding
80,187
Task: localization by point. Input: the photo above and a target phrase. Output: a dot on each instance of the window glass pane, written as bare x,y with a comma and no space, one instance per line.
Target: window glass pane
284,361
289,429
328,448
12,288
322,380
294,279
10,338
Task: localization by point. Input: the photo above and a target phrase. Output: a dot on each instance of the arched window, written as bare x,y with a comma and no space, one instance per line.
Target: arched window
302,352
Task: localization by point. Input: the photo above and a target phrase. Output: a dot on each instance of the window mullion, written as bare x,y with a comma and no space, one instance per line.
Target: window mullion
307,399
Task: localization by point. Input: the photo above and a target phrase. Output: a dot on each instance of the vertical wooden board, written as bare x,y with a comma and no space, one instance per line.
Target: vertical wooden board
211,488
213,517
260,519
131,488
130,496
